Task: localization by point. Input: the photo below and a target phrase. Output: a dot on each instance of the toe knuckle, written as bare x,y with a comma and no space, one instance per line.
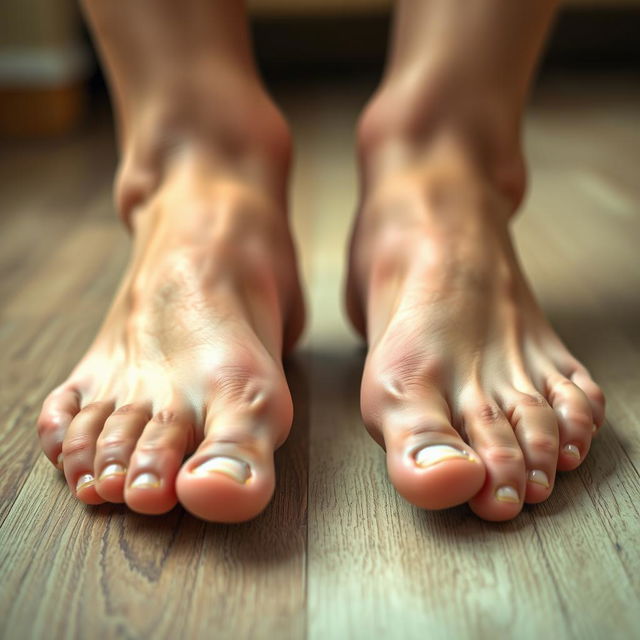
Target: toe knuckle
163,437
504,454
156,444
76,445
112,441
126,409
486,413
582,420
47,424
166,417
533,399
92,408
422,429
597,394
543,444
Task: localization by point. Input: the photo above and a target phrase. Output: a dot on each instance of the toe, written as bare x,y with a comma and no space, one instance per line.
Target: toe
493,437
79,448
427,460
58,410
593,393
231,476
156,459
114,447
536,429
575,421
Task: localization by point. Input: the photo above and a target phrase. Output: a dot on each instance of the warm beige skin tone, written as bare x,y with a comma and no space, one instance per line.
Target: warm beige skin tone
188,361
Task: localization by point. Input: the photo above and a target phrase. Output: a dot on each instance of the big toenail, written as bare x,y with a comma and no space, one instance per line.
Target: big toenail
146,480
59,461
538,476
507,494
438,453
236,469
572,450
113,469
84,481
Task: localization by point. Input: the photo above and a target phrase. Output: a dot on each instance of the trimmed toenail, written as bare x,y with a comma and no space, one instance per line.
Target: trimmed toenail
571,450
59,461
84,481
111,470
435,453
236,469
538,476
507,494
146,480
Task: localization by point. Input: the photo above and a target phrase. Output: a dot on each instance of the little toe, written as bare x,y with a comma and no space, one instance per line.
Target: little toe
536,429
231,477
79,447
492,436
114,448
154,464
58,410
593,393
575,421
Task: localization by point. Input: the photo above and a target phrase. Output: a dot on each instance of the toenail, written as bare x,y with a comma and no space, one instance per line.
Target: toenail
593,428
113,469
507,494
435,453
236,469
572,450
59,461
538,476
146,480
84,481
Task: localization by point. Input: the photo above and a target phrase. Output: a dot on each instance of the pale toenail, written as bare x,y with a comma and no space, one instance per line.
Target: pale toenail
538,476
236,469
146,480
593,428
507,494
438,453
59,461
84,481
572,450
111,470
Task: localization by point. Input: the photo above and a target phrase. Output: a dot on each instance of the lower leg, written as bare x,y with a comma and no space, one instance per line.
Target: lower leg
467,386
188,360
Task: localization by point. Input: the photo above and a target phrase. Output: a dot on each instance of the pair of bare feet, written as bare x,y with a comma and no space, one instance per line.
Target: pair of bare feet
466,386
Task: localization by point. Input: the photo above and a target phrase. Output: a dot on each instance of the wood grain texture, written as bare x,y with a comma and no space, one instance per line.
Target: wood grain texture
356,561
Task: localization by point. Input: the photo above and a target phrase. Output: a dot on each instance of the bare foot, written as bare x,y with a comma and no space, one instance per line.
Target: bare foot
188,360
466,385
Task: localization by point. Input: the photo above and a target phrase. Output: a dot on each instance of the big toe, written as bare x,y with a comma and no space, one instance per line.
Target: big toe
428,462
437,473
227,481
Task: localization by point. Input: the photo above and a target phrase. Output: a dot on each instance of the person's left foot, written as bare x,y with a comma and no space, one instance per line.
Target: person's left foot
466,385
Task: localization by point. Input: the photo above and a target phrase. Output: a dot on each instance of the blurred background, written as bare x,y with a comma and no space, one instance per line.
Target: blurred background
50,81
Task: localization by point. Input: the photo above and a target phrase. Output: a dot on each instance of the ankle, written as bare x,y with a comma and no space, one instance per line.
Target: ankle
401,125
238,130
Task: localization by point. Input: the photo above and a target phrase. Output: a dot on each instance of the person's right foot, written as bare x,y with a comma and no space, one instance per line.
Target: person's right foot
189,356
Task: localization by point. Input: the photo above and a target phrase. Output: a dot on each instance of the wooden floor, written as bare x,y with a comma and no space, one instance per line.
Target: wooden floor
337,554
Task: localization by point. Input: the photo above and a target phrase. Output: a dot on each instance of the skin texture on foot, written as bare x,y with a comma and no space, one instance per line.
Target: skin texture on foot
466,385
188,360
